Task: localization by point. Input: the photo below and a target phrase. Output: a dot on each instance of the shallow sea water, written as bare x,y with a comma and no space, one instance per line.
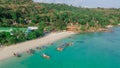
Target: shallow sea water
89,50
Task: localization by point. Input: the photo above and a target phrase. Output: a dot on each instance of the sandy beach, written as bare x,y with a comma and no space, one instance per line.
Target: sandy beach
8,51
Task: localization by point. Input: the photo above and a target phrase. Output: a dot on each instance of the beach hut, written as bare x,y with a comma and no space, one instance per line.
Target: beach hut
29,29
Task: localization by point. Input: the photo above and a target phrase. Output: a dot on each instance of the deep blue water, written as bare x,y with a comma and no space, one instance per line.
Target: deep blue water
89,50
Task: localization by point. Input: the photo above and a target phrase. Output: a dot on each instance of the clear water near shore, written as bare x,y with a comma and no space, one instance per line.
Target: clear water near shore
90,50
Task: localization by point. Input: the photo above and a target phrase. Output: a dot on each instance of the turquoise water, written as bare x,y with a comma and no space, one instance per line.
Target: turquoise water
89,50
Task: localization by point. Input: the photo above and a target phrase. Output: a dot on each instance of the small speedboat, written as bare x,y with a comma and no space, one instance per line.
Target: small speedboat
45,56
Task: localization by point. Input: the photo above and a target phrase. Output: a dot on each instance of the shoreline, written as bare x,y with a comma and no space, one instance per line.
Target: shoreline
8,51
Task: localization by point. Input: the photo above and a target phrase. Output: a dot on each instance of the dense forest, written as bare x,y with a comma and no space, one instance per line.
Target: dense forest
50,17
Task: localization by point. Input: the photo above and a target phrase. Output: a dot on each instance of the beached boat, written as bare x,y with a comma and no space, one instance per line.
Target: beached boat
17,54
38,48
43,47
45,56
31,51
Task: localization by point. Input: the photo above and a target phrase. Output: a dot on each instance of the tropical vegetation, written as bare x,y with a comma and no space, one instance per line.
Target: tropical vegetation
50,17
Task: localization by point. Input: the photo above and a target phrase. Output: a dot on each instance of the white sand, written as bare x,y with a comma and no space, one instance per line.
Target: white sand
7,52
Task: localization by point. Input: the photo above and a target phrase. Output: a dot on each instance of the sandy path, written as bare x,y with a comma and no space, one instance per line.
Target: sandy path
22,47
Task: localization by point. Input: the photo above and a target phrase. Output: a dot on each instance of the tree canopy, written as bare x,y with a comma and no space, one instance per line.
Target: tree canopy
24,13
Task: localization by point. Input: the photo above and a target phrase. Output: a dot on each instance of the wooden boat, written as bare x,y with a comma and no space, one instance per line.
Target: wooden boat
64,45
38,48
70,43
31,51
80,41
45,56
43,47
17,54
60,49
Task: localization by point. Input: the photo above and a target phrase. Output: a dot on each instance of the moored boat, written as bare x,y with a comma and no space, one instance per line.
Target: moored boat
45,56
17,54
31,51
60,49
69,43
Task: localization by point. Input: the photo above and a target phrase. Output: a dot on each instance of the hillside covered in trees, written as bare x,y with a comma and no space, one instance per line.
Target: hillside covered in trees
49,17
